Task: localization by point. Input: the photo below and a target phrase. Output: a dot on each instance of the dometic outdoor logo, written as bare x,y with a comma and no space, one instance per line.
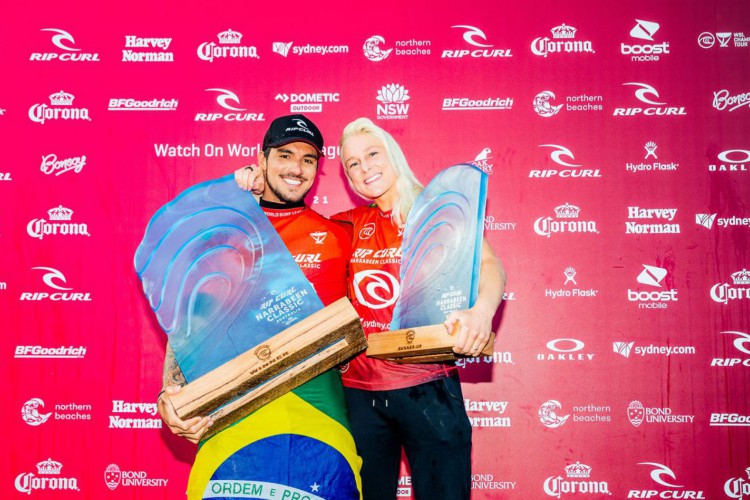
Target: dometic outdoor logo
308,102
49,478
651,105
585,413
115,477
51,164
731,160
56,280
725,100
562,41
653,276
392,103
478,48
228,101
31,412
741,343
565,165
665,478
60,108
577,481
67,50
570,287
644,52
229,46
566,221
565,350
59,224
484,414
655,216
376,289
738,487
625,349
638,414
285,48
142,49
725,39
128,104
650,147
739,289
134,416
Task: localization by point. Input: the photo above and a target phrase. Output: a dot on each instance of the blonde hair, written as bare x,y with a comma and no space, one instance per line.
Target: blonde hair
407,185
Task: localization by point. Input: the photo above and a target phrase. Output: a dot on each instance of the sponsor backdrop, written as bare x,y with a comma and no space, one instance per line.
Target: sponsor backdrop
615,136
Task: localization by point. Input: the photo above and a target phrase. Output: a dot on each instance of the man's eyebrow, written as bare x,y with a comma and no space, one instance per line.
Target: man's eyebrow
285,150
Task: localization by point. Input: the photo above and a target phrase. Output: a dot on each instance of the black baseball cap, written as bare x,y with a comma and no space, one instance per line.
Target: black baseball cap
292,128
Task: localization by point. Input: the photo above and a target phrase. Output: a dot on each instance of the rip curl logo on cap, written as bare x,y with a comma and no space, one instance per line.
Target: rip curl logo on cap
376,289
224,96
303,127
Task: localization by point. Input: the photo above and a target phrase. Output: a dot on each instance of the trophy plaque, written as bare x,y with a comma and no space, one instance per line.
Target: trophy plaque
442,251
244,323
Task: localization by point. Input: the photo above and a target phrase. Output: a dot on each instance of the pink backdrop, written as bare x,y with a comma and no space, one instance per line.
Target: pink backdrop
616,140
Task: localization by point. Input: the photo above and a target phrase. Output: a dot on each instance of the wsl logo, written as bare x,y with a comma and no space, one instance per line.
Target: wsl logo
664,477
66,49
228,47
56,280
724,292
578,481
652,276
565,168
644,30
229,101
49,478
475,38
562,41
392,99
60,108
59,217
565,221
647,95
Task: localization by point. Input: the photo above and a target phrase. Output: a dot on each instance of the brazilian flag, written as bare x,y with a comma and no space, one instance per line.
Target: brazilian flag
297,447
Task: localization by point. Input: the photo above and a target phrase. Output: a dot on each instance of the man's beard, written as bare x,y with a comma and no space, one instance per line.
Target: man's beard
285,198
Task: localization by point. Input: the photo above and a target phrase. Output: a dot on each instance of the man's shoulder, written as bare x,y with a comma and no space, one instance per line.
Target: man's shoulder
337,226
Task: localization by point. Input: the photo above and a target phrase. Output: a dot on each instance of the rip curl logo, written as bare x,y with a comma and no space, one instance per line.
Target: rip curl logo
471,34
225,96
52,276
658,473
376,289
558,154
61,37
644,91
63,41
367,231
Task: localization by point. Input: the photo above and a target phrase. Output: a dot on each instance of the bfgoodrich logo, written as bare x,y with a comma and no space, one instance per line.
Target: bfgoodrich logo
67,50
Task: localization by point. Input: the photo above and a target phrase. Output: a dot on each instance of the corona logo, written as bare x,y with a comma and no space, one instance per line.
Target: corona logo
228,47
40,113
724,292
563,41
50,478
577,482
39,228
565,223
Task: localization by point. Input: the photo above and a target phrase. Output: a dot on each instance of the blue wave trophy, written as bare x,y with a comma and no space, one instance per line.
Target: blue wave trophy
244,323
441,256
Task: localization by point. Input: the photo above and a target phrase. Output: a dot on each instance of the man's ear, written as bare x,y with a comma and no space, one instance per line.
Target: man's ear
262,161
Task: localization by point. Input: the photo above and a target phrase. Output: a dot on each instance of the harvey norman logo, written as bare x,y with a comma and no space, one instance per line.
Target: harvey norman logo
644,52
491,413
55,280
661,221
565,165
566,221
477,46
144,49
563,40
286,48
136,416
231,110
653,276
66,49
577,481
665,478
60,108
59,224
308,102
739,289
229,46
731,160
650,103
625,349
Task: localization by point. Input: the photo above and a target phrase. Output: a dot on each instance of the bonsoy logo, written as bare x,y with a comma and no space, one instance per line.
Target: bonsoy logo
229,101
648,95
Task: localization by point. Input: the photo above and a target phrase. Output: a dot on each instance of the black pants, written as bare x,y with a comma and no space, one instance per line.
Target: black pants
430,422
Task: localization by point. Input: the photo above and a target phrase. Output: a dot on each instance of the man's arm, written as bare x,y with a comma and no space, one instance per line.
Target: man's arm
172,381
476,323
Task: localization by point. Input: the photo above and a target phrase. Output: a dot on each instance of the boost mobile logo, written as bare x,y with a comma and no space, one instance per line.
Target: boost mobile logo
644,30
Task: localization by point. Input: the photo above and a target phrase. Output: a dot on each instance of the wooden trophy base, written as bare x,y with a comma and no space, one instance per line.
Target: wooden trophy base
265,372
423,344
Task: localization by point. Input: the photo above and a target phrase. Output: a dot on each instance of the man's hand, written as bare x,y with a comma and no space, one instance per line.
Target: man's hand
475,327
192,429
250,179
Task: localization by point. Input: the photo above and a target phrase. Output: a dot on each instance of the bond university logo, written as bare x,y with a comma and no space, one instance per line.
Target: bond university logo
66,49
114,477
651,104
638,414
644,31
477,44
543,104
392,103
146,49
229,46
741,344
55,280
30,413
739,289
548,414
577,481
731,160
565,165
566,221
373,49
563,40
48,477
59,108
665,480
231,109
59,224
738,487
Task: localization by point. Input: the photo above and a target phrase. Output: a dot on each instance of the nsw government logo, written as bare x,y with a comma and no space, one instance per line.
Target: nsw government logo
739,289
229,46
649,106
644,52
59,224
60,108
66,49
392,103
566,221
477,48
231,110
653,276
48,477
577,481
563,40
564,166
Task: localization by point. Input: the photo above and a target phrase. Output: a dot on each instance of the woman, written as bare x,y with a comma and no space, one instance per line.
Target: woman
415,406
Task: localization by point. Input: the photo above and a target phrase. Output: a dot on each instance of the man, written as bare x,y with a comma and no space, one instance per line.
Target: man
288,443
